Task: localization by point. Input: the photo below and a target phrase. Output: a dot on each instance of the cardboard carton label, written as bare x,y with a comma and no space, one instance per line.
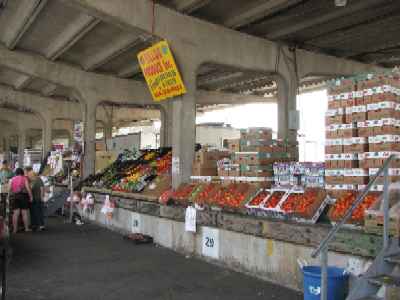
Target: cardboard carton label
358,140
372,106
387,105
347,141
392,171
362,124
355,172
388,121
374,123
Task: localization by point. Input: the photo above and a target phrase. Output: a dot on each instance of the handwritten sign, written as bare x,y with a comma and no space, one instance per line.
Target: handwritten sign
160,71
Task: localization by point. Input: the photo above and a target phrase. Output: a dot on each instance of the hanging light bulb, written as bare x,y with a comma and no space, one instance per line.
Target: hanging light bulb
340,3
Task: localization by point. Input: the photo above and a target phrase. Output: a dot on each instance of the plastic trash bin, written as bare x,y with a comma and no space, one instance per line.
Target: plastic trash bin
337,283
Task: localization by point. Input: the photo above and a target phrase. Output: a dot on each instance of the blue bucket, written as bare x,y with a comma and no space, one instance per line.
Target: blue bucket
337,283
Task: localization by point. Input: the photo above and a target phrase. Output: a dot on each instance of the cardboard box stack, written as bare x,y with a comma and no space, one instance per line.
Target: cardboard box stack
205,163
254,154
362,129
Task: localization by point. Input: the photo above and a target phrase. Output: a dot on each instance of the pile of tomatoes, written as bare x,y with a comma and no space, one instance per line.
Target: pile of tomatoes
232,195
274,200
184,192
205,192
256,201
301,203
343,204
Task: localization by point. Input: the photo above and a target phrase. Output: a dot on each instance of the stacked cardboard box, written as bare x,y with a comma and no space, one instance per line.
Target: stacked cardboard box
362,129
254,154
205,163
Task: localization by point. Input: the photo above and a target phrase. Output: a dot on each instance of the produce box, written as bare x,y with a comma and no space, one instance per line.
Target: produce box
305,205
385,109
257,199
205,192
233,145
233,196
355,176
386,126
332,131
342,204
256,133
204,170
386,142
204,156
346,130
184,192
270,207
374,218
394,175
334,146
376,159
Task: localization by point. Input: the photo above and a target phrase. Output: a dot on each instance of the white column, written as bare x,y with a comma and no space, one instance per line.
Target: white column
21,147
184,131
47,135
89,157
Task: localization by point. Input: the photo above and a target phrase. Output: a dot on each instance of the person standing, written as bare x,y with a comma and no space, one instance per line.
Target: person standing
21,194
5,173
37,186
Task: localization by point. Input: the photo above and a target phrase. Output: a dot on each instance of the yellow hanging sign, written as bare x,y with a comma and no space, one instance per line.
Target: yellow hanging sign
160,71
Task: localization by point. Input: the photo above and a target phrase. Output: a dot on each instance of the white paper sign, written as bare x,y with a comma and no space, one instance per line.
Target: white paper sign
175,165
190,219
136,224
210,242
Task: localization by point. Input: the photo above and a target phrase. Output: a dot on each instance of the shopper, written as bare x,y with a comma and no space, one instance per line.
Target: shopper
37,186
5,173
21,195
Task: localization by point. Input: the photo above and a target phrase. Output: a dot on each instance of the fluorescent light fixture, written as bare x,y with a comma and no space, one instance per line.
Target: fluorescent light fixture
340,3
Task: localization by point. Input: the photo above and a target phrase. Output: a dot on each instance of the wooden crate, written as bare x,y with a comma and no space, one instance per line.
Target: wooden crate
374,220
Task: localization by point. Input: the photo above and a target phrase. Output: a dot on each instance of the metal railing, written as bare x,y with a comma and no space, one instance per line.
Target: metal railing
322,249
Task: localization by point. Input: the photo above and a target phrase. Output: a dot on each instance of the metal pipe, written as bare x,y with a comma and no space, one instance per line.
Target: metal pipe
324,274
386,203
349,212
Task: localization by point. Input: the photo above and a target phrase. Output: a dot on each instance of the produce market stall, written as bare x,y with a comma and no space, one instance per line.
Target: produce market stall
255,192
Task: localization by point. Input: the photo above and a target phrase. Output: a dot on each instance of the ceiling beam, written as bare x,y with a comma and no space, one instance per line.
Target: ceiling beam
26,14
106,54
22,82
70,36
189,6
255,11
215,79
335,13
129,70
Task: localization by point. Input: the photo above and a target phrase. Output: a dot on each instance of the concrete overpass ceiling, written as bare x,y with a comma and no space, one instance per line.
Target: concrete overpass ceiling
365,30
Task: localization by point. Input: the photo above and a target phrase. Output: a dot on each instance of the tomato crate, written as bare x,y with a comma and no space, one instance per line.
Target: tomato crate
342,204
253,205
270,207
183,193
205,192
374,218
233,197
309,206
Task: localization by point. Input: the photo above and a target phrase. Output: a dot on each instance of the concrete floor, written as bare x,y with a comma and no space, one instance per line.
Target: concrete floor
89,262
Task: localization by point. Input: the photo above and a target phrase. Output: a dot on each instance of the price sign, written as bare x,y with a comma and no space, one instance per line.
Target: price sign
210,242
136,223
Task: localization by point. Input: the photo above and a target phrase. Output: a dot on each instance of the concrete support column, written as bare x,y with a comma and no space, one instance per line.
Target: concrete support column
287,89
47,135
166,125
21,147
184,131
89,157
108,126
